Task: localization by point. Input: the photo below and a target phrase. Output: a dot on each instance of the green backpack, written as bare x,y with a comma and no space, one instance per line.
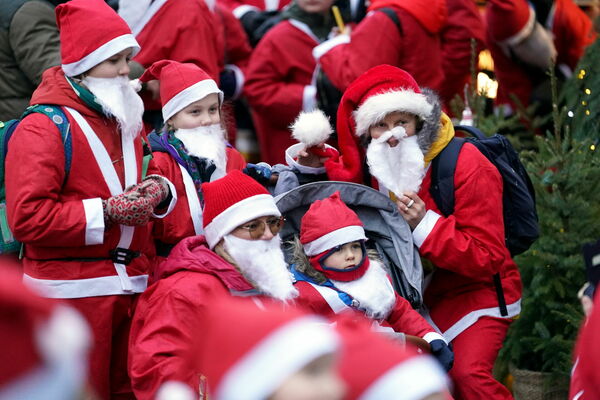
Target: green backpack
8,244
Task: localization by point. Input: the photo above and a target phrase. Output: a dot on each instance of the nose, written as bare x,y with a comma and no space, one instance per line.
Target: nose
206,120
349,254
124,69
267,234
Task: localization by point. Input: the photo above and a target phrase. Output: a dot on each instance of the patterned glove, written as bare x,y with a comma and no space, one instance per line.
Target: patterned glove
443,353
127,209
155,189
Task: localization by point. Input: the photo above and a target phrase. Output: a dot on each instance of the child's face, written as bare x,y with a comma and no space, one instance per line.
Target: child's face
315,6
392,120
203,112
318,380
346,256
117,65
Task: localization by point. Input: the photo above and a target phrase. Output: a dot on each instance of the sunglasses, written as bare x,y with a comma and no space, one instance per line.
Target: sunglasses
256,228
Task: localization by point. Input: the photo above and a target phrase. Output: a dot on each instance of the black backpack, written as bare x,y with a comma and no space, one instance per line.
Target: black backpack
521,227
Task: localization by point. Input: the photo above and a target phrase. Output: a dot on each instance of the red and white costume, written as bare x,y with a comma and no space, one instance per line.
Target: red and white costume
61,221
280,83
377,40
585,374
511,20
179,30
467,247
239,7
163,327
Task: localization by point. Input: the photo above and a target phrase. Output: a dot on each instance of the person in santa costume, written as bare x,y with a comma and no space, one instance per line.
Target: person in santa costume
84,226
239,254
376,367
44,345
526,38
282,75
405,33
180,30
335,273
192,149
386,118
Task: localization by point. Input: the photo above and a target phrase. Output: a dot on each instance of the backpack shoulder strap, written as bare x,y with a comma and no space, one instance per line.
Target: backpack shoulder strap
442,176
58,117
394,17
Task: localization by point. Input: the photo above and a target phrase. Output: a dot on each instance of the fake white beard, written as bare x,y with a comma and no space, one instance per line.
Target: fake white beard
118,99
401,168
206,142
373,291
263,264
133,11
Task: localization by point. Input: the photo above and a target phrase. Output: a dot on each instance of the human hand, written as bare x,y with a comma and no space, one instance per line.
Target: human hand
315,156
154,188
127,208
412,208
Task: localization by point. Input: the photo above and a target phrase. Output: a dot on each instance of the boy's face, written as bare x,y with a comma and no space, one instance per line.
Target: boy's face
315,6
204,112
346,256
397,118
117,65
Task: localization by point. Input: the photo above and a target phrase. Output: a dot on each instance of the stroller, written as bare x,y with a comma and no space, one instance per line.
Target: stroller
387,231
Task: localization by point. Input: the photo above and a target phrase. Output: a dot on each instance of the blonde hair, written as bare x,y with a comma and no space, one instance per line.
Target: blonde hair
303,265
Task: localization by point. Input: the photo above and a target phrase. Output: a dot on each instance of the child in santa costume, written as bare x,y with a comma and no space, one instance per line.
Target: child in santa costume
192,149
85,225
335,274
238,255
386,118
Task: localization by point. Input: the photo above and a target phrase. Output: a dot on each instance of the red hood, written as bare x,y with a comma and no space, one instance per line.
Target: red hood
431,14
54,89
193,254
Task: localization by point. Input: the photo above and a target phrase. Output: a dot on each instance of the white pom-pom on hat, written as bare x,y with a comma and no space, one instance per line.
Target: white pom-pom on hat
311,128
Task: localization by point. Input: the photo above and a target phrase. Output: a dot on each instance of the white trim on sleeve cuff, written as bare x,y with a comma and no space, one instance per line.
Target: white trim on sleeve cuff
327,45
171,203
431,336
425,227
240,11
94,221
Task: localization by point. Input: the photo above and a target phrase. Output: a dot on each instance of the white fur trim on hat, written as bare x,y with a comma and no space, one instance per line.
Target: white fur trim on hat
413,379
187,96
376,107
278,356
102,53
237,214
338,237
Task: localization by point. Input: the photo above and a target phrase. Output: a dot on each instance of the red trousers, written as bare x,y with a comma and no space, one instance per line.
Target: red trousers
475,351
109,318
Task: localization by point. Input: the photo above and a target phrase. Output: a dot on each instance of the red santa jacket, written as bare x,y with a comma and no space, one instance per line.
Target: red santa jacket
467,248
572,31
179,30
377,40
240,7
280,84
186,218
169,315
61,221
324,301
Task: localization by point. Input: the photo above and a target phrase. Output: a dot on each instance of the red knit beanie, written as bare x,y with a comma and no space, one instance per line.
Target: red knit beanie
180,85
90,32
232,201
377,92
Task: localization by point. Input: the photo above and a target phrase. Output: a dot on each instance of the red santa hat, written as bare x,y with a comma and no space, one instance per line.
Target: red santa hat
377,92
510,21
180,85
44,345
247,352
232,201
375,367
329,223
90,32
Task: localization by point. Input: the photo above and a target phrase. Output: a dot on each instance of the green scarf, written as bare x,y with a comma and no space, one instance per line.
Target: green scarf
85,95
319,24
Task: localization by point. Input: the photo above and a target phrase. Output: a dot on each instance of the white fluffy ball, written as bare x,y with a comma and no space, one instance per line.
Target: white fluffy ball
311,128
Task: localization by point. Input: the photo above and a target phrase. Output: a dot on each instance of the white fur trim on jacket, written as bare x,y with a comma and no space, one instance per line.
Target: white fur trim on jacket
338,237
291,154
376,107
102,53
263,369
237,214
187,96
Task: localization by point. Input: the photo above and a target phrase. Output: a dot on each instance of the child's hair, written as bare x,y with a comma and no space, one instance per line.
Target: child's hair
303,265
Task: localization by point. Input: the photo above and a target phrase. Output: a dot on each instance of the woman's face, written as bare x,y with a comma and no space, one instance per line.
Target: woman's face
397,118
318,380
